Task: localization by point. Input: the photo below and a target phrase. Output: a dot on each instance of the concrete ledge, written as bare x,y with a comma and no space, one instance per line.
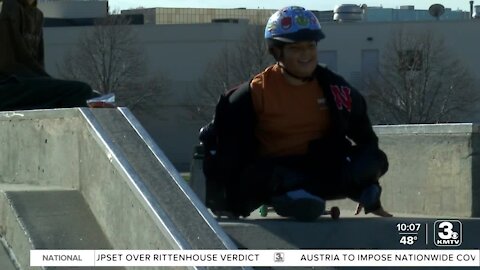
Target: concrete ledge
27,137
456,128
434,169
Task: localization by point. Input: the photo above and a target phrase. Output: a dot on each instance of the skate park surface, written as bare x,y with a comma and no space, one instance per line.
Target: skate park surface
94,179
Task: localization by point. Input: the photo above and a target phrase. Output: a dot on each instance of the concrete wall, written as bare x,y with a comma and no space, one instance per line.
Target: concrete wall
434,170
182,52
24,141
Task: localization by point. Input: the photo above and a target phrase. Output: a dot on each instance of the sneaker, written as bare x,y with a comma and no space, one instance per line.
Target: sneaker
299,204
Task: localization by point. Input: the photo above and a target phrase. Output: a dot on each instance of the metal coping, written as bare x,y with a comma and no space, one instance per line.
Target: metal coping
139,188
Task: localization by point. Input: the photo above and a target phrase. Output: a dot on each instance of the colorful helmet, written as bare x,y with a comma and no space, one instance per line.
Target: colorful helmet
293,24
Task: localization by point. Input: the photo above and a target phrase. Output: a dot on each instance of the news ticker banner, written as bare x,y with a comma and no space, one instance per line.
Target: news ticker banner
307,258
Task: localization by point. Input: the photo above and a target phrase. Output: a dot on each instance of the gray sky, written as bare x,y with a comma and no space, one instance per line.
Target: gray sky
276,4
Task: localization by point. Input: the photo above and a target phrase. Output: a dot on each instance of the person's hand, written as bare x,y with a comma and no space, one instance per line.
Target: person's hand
379,212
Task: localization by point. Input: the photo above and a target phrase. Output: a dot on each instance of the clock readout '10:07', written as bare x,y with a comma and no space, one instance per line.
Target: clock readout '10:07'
408,227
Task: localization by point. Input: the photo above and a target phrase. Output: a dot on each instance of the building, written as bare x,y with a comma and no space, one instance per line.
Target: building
200,15
98,8
260,16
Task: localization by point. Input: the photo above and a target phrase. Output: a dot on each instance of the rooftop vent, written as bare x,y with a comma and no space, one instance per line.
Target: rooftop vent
476,12
436,10
347,13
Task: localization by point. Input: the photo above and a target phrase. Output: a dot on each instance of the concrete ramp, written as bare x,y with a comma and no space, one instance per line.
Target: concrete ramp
93,179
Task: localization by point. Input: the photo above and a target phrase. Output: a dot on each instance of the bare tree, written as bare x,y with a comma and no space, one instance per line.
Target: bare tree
145,96
419,81
234,65
108,57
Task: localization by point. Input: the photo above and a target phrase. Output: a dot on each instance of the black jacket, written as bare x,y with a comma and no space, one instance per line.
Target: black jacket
230,136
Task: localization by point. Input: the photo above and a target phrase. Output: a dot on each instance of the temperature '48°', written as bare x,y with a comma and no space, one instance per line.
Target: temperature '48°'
408,239
408,232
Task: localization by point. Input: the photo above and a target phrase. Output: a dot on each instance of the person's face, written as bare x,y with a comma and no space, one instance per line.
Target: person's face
300,58
30,2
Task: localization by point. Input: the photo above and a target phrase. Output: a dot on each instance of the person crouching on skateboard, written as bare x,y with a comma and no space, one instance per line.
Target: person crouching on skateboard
295,135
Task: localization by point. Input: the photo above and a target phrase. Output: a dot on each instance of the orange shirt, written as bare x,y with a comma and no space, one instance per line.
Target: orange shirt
289,116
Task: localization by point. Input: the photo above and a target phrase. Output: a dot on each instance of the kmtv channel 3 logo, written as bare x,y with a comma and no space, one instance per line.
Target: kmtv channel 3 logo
447,233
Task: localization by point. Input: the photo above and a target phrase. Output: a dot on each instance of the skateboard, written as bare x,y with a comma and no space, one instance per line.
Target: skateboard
334,211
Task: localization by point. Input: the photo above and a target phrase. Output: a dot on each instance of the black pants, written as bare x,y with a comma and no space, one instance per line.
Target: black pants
26,93
337,178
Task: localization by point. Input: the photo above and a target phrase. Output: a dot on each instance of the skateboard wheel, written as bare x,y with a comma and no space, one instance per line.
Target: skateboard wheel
335,212
263,210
